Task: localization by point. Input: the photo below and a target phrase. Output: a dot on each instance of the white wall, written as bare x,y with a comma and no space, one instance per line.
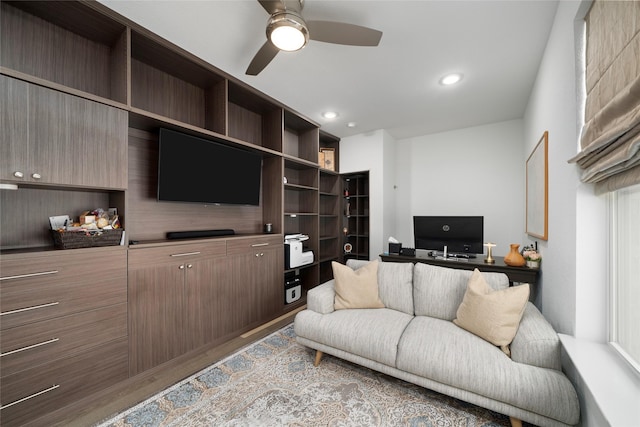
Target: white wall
373,152
472,171
389,202
573,296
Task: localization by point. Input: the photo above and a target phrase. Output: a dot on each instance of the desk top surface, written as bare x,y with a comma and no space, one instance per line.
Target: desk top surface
515,273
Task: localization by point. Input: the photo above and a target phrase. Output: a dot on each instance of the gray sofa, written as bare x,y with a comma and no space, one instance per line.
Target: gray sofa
414,339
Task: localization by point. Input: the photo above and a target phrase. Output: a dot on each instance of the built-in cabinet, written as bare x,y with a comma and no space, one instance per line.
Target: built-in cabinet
83,94
256,290
173,300
355,215
63,333
52,138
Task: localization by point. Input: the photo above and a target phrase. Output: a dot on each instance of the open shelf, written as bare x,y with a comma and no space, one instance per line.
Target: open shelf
167,83
355,214
300,138
67,43
254,119
331,142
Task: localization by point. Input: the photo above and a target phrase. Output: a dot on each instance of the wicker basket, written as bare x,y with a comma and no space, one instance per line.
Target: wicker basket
86,239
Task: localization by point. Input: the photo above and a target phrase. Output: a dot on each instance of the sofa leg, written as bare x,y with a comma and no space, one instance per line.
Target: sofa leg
515,422
318,358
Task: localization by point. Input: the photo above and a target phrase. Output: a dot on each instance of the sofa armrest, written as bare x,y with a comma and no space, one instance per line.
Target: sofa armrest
321,298
536,342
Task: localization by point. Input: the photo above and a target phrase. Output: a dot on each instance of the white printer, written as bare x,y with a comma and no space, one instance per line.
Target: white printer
294,253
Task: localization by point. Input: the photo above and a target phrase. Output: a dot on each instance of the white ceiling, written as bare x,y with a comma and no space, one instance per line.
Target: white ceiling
497,45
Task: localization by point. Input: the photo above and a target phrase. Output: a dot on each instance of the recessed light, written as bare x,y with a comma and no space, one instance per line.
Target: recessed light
351,124
450,79
329,114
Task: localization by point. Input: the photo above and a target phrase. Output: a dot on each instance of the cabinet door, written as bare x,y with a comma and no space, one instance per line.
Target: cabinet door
75,141
256,290
54,138
205,306
270,282
156,312
14,107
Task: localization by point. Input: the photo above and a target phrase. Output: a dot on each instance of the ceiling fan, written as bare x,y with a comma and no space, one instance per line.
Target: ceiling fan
287,30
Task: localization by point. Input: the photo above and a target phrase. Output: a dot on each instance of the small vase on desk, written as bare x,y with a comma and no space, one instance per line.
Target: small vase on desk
533,264
514,258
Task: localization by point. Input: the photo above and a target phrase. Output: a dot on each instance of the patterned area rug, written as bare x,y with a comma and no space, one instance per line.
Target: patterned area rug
273,383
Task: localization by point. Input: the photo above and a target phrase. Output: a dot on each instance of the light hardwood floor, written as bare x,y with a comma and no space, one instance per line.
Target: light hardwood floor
124,395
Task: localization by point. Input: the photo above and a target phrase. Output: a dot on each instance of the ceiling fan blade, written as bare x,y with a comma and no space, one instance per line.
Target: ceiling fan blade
271,6
266,53
341,33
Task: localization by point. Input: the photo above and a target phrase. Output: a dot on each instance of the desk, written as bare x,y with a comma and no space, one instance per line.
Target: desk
515,274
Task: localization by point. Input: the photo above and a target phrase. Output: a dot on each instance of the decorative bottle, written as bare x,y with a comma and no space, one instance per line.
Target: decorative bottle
514,258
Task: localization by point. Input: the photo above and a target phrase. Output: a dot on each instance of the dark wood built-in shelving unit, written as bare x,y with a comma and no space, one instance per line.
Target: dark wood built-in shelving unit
83,94
355,215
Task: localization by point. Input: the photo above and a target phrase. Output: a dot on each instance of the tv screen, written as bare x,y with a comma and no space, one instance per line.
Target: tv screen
460,234
192,169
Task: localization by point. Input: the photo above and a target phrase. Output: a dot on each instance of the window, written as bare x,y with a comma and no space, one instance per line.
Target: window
625,280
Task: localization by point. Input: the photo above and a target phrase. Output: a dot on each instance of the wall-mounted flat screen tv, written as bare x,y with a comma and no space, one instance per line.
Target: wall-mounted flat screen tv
193,169
460,234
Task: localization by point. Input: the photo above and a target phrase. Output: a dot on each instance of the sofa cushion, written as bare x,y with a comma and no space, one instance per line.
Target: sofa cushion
438,291
356,288
369,333
395,283
321,299
536,342
440,351
490,314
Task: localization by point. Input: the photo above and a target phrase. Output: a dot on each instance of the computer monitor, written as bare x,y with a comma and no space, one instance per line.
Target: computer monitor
460,234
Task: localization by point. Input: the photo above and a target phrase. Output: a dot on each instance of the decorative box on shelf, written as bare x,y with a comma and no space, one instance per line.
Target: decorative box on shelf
86,238
326,158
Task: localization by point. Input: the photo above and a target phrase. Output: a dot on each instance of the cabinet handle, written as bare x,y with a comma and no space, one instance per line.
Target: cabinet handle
29,347
18,174
22,276
36,175
256,245
186,254
46,390
34,307
181,267
189,265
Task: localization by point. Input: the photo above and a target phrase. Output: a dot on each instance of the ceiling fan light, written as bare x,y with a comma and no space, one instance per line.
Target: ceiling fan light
330,115
287,32
451,79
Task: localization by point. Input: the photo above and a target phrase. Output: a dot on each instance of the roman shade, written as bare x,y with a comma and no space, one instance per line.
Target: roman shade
610,140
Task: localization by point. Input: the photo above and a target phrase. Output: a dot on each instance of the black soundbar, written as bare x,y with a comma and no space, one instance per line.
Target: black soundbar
199,233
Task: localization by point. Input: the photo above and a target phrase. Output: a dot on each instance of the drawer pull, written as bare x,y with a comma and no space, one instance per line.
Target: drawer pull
21,276
46,390
187,254
256,245
35,307
29,347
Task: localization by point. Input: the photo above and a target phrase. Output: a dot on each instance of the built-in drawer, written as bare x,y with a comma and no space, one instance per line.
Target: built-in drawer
58,283
36,343
140,257
252,244
32,393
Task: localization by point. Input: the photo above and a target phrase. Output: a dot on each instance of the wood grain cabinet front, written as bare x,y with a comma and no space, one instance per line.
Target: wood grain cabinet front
255,291
63,328
31,394
45,285
53,138
174,302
